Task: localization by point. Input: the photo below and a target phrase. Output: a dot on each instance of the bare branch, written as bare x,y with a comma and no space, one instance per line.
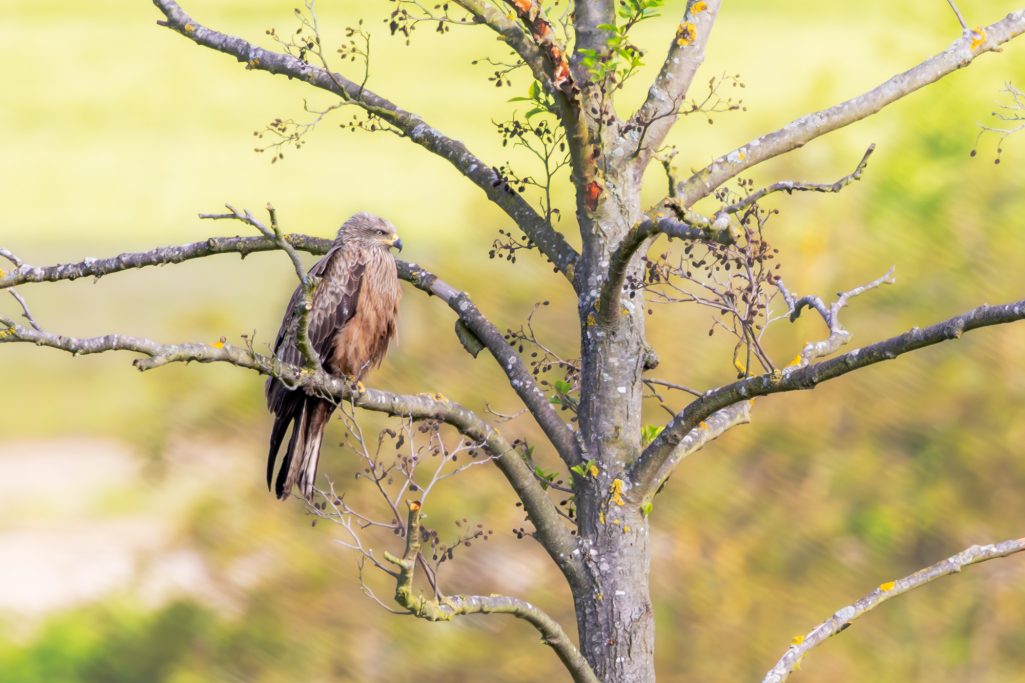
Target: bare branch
1013,117
843,617
838,334
645,470
717,424
311,359
957,12
445,608
538,46
551,532
550,242
25,312
514,36
587,17
97,268
790,186
693,227
805,129
672,385
10,257
656,117
521,379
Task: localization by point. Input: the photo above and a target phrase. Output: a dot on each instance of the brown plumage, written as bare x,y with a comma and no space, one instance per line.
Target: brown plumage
355,306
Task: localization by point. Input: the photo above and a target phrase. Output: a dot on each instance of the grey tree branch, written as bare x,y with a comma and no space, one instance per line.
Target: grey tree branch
693,227
513,35
805,129
843,617
521,379
543,514
554,65
646,470
446,608
552,244
311,359
838,334
790,186
657,116
25,312
587,17
717,424
957,13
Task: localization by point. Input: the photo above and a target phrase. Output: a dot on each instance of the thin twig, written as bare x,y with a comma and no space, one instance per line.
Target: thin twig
790,186
838,334
957,13
311,359
25,311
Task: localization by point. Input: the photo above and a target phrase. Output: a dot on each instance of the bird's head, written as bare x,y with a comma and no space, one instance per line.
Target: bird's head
369,230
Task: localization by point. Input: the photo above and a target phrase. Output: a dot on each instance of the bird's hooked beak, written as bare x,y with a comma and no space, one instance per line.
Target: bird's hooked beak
397,243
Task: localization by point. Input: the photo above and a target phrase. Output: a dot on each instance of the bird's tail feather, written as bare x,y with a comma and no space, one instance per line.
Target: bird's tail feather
282,421
299,465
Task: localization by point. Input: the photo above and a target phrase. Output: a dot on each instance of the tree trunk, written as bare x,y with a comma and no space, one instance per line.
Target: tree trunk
614,614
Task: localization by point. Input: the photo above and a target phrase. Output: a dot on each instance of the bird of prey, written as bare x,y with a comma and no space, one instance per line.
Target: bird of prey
351,322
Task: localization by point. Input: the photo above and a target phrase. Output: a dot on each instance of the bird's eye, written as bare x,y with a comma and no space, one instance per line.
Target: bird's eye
380,232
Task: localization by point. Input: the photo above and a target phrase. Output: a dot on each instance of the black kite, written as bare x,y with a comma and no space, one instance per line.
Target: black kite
351,322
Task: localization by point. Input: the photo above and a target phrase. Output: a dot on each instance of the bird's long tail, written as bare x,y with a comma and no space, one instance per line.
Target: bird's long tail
308,416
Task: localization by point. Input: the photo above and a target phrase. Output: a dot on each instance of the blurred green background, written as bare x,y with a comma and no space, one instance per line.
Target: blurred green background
137,542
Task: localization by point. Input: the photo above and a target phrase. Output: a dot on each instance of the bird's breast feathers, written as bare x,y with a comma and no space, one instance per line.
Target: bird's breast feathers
362,341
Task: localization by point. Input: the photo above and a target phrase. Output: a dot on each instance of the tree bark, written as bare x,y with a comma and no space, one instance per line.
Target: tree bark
614,613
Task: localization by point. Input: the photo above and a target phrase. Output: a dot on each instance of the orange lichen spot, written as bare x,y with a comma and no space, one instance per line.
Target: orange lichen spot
626,528
698,8
415,505
703,425
2,273
591,320
797,640
601,517
591,195
189,28
522,5
888,586
218,345
686,33
616,491
252,63
795,361
592,470
978,38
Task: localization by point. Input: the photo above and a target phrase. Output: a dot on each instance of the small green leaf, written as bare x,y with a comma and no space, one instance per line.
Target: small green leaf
649,433
646,508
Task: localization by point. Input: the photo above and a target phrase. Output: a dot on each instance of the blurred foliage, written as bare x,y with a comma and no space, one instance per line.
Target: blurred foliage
121,132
